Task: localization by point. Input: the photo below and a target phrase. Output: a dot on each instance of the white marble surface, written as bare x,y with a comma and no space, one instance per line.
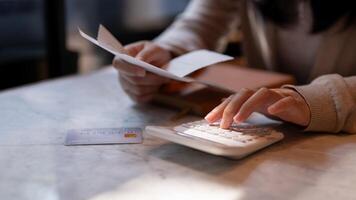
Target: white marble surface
35,164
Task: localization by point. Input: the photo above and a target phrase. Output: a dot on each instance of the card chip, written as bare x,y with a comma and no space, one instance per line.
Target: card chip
130,135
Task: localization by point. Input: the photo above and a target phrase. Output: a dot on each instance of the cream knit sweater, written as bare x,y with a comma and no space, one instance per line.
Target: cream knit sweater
331,96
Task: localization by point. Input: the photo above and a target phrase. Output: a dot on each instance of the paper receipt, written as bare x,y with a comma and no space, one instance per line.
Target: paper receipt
177,68
104,136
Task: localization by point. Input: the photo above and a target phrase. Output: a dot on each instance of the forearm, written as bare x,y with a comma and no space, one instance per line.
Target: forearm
202,25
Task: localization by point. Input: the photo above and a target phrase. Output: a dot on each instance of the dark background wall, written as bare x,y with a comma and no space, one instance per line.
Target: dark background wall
39,39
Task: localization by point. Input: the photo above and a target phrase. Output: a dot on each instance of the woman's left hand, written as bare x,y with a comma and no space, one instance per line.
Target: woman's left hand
285,104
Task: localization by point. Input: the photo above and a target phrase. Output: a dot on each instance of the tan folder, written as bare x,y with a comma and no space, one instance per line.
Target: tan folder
200,99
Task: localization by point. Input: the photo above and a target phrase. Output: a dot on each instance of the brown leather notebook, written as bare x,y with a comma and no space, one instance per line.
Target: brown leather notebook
200,99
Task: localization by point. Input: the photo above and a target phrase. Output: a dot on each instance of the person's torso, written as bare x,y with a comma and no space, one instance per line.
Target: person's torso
296,50
296,47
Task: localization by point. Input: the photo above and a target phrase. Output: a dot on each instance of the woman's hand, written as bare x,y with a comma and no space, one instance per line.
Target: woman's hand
139,84
285,104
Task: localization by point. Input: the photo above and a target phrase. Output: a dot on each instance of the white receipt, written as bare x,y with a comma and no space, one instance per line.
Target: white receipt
176,69
190,62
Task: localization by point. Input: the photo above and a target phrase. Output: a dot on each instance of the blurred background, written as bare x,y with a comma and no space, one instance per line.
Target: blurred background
39,38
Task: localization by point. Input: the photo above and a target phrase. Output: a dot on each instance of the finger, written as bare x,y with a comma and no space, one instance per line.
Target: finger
257,102
289,109
134,48
149,80
233,107
148,54
141,98
281,105
138,90
143,90
128,69
217,112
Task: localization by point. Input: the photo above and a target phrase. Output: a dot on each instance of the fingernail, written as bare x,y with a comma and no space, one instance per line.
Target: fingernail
237,118
223,124
208,117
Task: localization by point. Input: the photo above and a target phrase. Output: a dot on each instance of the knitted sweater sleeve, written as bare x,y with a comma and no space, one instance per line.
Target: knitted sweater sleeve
332,102
201,26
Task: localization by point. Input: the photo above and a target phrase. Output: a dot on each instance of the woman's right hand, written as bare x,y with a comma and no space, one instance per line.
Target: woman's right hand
139,84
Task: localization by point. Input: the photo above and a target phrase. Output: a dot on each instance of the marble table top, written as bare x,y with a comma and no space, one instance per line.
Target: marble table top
34,163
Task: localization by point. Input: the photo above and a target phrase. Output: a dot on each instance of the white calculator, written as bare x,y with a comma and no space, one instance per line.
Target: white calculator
236,142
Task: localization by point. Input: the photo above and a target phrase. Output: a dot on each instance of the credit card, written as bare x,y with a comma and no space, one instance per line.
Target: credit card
104,136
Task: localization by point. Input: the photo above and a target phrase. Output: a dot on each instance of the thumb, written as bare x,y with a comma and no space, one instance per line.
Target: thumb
148,54
134,48
289,110
281,105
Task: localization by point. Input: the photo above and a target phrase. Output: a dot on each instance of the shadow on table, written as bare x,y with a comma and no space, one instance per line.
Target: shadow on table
215,165
276,171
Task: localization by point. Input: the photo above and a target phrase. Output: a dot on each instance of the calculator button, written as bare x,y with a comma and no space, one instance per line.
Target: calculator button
237,134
